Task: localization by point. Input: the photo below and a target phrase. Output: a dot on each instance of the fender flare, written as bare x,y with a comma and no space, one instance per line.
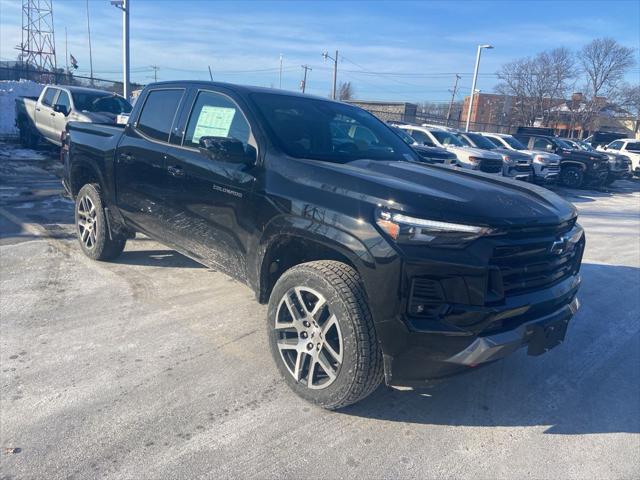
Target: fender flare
286,227
573,163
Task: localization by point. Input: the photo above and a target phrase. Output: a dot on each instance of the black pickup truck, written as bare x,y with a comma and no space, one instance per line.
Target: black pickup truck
577,168
373,264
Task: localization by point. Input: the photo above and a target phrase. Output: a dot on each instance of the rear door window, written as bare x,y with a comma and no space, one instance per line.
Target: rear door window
158,113
633,147
49,96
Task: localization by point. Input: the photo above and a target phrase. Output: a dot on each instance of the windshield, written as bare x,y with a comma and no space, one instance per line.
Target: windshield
480,141
513,142
446,138
586,146
100,102
408,139
330,131
564,144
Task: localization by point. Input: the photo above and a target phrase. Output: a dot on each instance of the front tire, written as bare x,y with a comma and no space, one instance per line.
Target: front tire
572,177
91,226
322,336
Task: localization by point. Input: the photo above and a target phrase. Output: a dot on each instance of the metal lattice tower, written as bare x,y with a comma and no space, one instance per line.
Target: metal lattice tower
38,47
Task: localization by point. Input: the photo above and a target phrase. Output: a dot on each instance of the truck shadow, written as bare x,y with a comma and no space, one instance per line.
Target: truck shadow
157,258
590,384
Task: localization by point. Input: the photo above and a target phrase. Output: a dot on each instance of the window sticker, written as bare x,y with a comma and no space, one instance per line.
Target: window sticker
213,122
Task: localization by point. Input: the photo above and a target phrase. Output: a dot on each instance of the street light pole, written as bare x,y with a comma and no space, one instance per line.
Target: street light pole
124,6
473,87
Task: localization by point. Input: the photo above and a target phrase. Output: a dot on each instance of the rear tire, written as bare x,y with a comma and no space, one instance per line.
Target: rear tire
28,138
327,349
572,177
91,226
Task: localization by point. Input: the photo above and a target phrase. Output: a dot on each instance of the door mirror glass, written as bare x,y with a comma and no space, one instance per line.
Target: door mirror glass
227,149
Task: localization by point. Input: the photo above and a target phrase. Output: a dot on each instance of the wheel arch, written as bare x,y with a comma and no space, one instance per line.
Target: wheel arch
286,244
573,163
82,173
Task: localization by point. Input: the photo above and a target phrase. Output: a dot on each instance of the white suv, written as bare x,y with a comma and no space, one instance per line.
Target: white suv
546,165
468,157
628,147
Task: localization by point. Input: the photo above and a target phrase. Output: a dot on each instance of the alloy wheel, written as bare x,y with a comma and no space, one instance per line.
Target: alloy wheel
87,223
308,337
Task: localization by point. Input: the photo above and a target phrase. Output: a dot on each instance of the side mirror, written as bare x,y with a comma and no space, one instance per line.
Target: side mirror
224,149
604,147
61,109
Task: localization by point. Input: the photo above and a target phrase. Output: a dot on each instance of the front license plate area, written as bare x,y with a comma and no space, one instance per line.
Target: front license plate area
543,337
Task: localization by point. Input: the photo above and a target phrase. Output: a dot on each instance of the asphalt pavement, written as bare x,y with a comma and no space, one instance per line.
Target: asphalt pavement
154,367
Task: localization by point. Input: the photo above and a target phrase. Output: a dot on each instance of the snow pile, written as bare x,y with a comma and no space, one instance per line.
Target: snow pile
9,91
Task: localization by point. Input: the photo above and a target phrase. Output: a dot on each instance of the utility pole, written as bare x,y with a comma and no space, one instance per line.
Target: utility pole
326,55
303,85
124,5
89,33
453,97
155,69
280,72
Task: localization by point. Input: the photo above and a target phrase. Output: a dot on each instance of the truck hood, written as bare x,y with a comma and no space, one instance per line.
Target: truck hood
543,154
453,195
473,152
99,117
514,154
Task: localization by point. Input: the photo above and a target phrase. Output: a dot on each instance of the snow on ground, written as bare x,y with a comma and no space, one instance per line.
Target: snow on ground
10,151
9,91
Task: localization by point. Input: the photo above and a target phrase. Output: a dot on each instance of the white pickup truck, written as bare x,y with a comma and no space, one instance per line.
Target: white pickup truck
46,116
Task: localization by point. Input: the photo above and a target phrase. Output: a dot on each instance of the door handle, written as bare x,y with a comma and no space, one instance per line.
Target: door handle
53,114
175,171
126,158
37,109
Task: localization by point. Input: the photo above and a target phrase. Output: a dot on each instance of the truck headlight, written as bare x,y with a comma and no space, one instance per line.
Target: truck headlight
508,160
541,160
406,229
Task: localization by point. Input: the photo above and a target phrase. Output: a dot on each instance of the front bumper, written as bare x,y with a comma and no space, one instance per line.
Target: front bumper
546,173
539,335
421,355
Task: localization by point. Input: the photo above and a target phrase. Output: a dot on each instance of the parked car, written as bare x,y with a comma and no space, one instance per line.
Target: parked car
627,147
45,117
373,266
619,165
599,139
577,168
515,164
468,157
432,155
546,165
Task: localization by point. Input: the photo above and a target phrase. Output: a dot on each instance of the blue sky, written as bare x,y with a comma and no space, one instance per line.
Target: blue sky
410,50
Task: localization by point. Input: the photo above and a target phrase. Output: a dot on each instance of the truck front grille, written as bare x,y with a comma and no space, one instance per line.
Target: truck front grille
490,165
533,265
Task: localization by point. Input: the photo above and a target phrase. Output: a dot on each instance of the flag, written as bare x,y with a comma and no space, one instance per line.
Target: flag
74,62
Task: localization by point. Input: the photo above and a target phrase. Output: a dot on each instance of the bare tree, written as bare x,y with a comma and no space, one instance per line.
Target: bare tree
346,91
537,84
604,63
629,99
